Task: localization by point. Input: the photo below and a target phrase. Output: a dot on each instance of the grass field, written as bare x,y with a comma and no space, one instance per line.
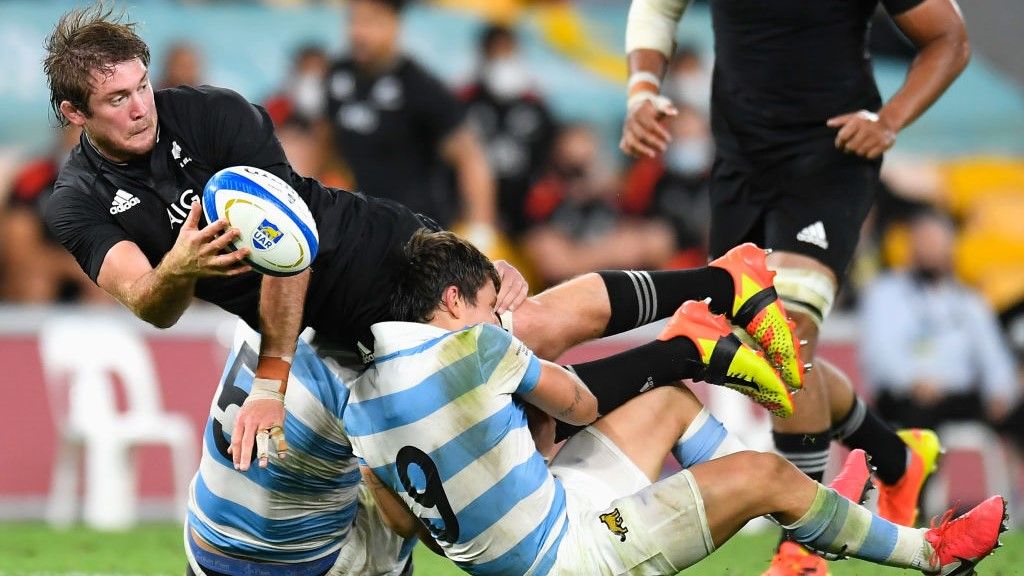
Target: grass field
34,549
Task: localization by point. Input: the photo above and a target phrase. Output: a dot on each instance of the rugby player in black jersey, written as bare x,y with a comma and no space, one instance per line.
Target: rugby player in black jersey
800,130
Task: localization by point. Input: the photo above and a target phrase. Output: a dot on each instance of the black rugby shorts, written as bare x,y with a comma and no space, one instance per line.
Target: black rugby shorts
811,202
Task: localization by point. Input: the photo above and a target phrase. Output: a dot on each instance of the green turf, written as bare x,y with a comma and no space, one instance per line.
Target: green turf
32,548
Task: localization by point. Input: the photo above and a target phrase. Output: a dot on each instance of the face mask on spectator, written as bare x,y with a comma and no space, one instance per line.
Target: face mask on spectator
506,78
688,157
308,94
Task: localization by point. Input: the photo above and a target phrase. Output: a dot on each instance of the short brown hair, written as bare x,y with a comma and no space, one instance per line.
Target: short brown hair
435,261
84,40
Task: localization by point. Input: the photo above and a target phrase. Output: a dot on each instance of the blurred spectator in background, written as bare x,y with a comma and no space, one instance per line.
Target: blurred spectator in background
513,121
34,268
397,127
302,94
576,223
688,80
182,66
930,346
674,187
298,109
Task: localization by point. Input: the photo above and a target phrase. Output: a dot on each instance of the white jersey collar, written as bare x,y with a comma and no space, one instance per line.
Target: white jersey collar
391,337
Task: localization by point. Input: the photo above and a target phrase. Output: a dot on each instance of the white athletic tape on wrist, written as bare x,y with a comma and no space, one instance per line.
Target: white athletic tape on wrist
643,76
652,25
265,389
661,103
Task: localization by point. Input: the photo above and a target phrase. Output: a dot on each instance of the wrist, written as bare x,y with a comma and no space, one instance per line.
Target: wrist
274,369
890,120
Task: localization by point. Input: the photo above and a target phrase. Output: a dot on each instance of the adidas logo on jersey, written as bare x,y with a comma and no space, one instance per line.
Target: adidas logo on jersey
814,234
122,202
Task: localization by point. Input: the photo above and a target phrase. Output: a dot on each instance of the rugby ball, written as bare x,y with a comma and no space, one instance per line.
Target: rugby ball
274,221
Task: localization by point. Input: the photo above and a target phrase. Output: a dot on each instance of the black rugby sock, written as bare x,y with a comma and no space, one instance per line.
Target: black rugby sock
641,297
808,452
618,379
862,428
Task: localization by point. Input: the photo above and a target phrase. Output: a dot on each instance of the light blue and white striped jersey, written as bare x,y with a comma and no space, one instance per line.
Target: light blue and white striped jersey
436,420
299,508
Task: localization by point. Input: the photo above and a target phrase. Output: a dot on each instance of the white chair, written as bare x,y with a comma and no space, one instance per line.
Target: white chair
996,462
81,356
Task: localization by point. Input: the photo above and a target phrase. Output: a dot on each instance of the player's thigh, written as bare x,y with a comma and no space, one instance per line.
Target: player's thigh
593,464
820,205
737,210
660,529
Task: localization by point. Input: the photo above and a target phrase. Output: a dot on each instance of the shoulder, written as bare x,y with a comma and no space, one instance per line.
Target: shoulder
411,71
76,179
199,99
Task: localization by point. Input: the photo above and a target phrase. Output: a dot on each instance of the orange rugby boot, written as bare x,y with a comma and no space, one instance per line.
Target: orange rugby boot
897,503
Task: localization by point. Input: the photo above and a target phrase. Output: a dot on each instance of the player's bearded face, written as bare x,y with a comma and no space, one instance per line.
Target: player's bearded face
122,113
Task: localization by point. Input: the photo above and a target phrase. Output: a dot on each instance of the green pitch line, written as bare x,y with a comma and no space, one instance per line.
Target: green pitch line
155,549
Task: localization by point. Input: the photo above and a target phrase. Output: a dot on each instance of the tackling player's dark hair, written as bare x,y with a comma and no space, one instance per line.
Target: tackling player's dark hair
94,38
435,261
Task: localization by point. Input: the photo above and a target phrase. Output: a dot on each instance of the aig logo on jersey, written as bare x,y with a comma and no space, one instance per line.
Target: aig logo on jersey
266,235
122,202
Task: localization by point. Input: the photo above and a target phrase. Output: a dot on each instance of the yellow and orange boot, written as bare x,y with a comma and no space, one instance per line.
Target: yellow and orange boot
897,503
727,361
757,309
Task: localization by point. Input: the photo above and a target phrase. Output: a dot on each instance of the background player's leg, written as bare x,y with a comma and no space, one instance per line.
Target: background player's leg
804,438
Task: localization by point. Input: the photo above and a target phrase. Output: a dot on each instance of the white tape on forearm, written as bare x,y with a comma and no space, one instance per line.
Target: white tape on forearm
652,25
643,76
265,389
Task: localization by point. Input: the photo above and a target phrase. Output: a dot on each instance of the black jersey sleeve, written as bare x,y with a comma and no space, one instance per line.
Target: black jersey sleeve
897,7
239,133
83,226
437,111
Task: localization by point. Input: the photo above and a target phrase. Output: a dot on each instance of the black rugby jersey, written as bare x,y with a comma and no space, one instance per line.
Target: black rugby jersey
389,129
97,203
783,67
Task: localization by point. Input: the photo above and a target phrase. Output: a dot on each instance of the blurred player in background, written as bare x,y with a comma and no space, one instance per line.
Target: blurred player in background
182,66
398,127
511,118
800,130
438,421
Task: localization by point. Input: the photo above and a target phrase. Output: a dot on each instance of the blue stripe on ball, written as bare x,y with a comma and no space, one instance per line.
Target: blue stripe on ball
232,180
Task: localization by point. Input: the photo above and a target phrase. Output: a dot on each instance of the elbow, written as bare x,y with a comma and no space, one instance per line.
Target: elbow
963,52
161,321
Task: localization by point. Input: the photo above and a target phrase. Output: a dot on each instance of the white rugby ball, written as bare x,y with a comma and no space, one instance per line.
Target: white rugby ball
274,221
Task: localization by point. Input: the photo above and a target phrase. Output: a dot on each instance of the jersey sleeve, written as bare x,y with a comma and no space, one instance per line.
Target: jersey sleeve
505,362
897,7
438,112
83,226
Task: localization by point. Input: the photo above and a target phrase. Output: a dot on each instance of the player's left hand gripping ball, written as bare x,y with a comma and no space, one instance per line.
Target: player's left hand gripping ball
273,221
